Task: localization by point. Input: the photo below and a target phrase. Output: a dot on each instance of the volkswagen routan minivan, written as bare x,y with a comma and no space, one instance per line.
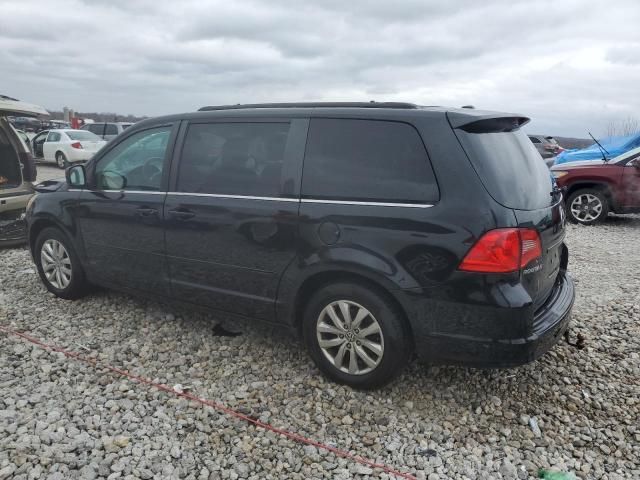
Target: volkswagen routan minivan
375,230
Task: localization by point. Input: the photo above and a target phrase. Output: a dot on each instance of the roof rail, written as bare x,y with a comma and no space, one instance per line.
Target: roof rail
371,104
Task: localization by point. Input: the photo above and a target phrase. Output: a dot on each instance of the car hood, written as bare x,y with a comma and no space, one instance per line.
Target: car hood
11,106
580,164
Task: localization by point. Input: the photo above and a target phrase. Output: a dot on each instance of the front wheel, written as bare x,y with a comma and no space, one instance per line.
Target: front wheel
61,160
356,336
58,265
587,206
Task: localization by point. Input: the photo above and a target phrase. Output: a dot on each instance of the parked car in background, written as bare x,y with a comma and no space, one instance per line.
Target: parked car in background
107,130
331,219
17,171
595,188
547,146
70,146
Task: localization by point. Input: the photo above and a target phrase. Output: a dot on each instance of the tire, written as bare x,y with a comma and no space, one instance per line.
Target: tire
61,160
384,322
587,206
75,285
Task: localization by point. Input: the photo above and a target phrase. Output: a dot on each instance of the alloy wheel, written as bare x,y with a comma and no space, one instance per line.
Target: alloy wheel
350,337
586,207
60,160
56,264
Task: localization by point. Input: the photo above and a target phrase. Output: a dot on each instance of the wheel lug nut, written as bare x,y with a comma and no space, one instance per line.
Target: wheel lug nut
349,345
357,330
358,343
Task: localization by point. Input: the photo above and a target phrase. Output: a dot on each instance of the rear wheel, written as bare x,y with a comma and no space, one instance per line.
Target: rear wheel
61,160
587,206
58,264
356,336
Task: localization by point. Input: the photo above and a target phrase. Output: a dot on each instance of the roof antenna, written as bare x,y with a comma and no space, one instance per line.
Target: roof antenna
602,149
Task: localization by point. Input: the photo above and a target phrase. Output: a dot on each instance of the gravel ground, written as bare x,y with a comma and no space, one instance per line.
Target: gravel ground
573,410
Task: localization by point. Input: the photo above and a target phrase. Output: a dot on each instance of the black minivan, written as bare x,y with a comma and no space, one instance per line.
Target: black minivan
375,230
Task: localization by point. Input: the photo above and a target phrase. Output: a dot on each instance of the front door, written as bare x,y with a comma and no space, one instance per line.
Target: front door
120,215
232,217
38,142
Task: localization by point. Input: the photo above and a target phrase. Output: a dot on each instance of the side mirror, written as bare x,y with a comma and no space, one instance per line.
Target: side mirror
76,176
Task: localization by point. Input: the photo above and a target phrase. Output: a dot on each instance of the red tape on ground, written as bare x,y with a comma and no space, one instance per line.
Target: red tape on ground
218,406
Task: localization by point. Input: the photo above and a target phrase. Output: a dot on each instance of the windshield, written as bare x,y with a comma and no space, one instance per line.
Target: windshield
510,168
82,135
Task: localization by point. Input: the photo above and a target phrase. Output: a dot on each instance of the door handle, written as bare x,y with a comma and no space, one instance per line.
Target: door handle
182,214
146,211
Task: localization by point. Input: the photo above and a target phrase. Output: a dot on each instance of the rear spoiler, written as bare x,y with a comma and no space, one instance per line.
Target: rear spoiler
486,122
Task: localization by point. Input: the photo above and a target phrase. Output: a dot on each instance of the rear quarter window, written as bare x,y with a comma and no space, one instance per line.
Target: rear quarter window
509,166
367,160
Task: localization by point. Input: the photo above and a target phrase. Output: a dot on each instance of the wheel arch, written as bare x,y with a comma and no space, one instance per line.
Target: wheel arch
38,226
316,280
604,187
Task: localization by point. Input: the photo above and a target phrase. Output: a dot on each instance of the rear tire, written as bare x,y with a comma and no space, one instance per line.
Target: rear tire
58,265
61,160
356,336
587,206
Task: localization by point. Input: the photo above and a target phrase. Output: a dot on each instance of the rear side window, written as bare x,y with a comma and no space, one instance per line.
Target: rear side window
233,159
53,137
97,128
110,129
534,140
367,160
509,166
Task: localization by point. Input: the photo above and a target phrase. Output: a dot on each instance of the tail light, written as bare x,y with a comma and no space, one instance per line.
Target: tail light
76,145
503,250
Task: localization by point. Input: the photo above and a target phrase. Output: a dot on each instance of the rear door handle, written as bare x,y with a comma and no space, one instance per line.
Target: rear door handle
182,214
146,211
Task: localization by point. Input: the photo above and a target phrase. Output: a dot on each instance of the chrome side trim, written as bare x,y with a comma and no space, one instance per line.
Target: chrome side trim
244,197
272,199
371,204
117,191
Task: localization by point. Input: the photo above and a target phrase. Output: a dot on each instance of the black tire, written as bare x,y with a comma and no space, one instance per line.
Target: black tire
61,160
588,219
77,286
394,336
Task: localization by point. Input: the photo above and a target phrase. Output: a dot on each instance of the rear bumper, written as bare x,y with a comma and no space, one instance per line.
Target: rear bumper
543,328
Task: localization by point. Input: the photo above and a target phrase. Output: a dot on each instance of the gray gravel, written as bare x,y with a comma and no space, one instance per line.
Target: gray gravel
574,410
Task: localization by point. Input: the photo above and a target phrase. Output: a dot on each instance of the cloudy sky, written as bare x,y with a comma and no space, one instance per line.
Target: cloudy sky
570,65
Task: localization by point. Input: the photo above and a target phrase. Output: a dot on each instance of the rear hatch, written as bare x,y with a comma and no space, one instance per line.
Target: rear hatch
511,170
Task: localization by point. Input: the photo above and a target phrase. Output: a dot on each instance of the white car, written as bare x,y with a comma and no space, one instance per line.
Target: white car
67,146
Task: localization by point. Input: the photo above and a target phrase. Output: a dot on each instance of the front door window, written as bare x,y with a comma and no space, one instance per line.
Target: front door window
136,163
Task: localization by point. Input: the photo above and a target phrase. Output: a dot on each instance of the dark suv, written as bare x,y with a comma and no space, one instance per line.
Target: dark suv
376,230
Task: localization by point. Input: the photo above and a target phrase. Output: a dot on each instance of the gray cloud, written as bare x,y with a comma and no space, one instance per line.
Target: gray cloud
571,65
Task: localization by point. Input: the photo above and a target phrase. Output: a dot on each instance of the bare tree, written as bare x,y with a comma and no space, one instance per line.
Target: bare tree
628,126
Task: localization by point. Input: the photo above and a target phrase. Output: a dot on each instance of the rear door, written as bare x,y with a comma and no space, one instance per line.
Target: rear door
120,214
511,171
51,145
232,214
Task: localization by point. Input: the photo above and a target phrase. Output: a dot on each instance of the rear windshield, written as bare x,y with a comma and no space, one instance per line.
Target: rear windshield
510,168
82,135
